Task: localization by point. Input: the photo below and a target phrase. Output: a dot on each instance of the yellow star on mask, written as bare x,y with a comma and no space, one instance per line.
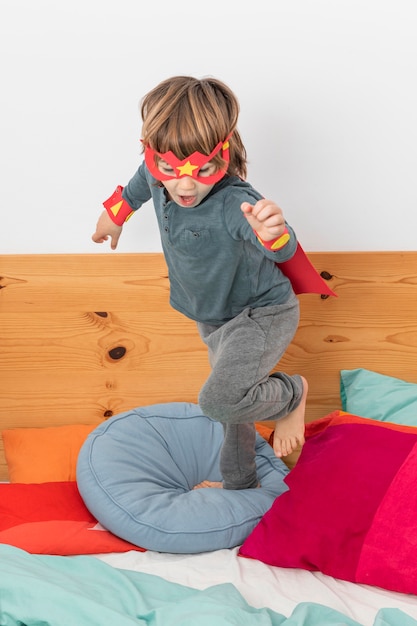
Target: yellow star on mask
187,169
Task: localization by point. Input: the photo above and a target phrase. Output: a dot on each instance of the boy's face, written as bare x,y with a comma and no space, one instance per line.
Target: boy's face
186,190
190,180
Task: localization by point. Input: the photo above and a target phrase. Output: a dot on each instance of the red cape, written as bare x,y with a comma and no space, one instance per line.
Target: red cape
303,275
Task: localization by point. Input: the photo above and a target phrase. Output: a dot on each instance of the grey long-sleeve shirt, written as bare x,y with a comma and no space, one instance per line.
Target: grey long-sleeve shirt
217,267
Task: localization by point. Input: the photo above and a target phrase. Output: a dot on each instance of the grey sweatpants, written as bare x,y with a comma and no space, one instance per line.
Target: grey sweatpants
241,389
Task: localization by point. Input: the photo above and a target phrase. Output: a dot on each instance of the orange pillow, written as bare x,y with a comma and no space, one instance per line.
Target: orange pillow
265,431
39,455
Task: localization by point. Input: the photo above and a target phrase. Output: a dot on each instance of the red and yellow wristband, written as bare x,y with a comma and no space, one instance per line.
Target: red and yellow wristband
275,244
117,207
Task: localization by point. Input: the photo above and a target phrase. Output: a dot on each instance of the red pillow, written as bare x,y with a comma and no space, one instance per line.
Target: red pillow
351,508
51,518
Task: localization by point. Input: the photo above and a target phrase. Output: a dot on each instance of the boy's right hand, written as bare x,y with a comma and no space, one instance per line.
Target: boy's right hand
107,228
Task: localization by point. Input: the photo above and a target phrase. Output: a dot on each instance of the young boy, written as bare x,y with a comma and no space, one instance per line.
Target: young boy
222,241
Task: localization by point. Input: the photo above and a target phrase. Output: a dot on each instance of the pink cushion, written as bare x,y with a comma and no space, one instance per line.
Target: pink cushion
351,508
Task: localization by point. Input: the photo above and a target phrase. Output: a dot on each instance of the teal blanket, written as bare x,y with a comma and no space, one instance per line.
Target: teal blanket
83,591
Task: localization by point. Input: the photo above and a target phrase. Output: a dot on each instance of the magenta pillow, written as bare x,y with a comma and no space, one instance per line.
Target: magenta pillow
351,508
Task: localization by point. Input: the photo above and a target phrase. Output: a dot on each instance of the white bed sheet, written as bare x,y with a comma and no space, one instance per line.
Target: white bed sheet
261,585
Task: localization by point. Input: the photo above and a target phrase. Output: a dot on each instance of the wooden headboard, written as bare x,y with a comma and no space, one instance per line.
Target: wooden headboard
84,337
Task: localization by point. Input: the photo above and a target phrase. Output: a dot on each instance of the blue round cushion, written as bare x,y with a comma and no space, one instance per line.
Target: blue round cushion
136,474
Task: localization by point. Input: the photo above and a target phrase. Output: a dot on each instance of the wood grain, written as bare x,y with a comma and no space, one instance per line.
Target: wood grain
83,337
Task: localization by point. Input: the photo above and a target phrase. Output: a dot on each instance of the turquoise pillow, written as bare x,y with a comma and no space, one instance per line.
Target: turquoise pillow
378,397
136,473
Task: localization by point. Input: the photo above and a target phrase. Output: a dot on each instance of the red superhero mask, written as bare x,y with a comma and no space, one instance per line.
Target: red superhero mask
190,166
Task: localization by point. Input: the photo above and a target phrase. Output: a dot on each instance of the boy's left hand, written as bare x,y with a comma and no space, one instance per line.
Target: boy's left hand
266,218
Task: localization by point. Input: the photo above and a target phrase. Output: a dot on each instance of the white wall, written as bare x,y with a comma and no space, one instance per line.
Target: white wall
329,112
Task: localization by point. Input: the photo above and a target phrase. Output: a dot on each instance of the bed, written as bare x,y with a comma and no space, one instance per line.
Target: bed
89,342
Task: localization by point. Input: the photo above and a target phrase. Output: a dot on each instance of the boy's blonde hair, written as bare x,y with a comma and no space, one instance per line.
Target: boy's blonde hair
185,115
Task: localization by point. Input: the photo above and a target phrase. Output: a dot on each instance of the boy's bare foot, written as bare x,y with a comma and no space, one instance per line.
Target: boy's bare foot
289,430
208,483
